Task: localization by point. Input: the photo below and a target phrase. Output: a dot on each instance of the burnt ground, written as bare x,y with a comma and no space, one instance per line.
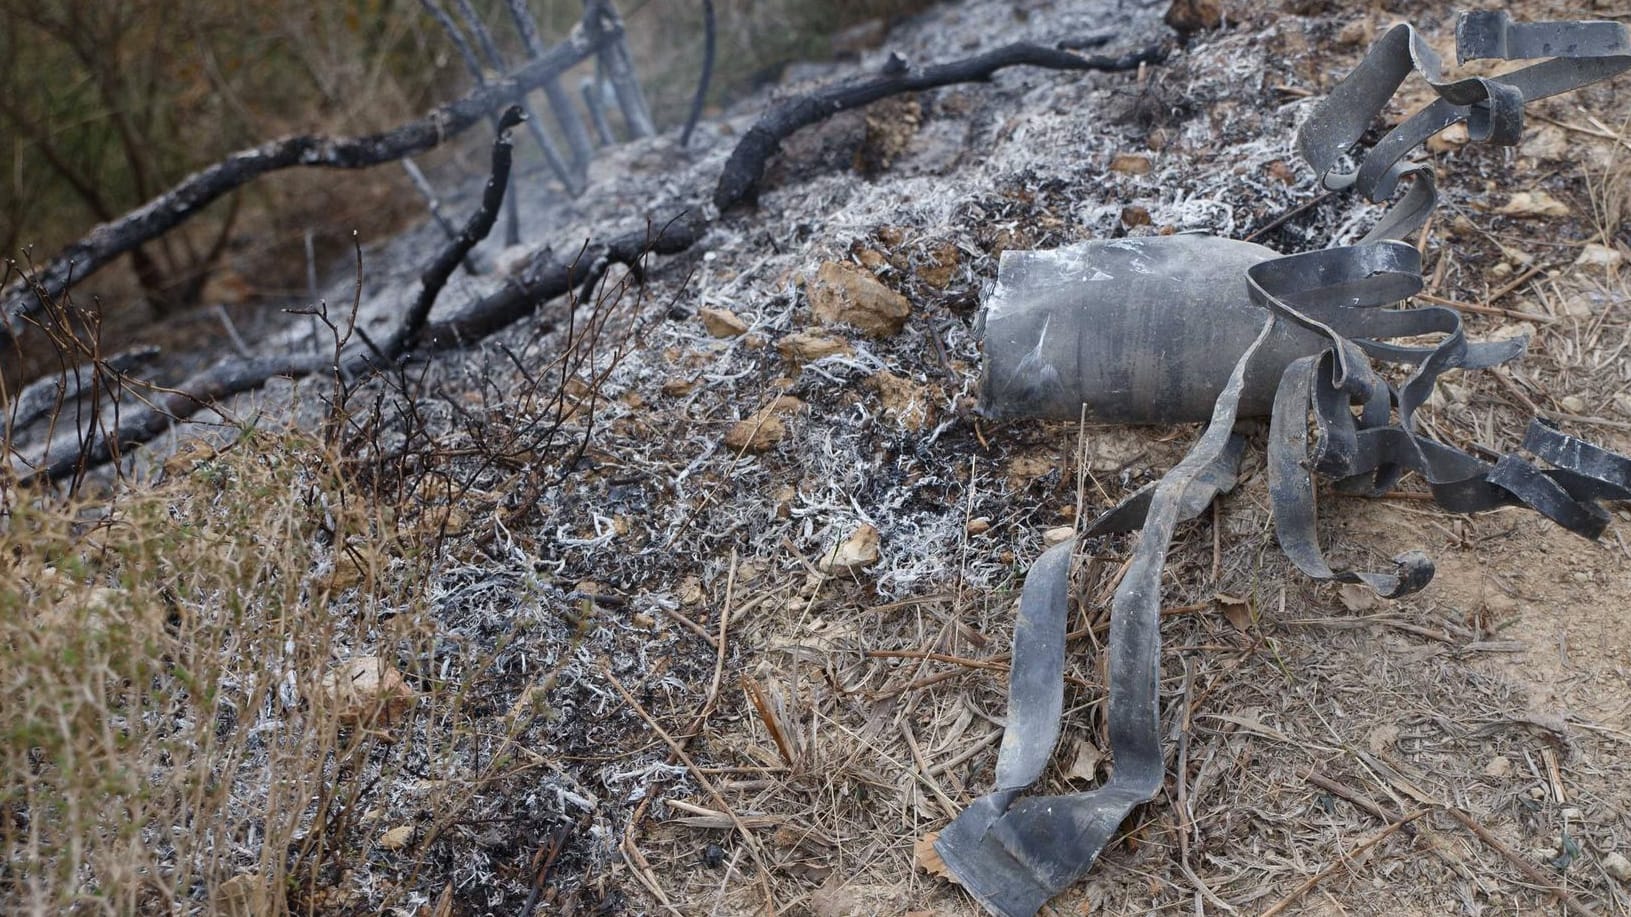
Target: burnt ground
627,547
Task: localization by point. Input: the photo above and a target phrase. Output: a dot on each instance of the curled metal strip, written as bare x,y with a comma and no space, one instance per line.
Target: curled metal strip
1582,53
1146,331
1013,855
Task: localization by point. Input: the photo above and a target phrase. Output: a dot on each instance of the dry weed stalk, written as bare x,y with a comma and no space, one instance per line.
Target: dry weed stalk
163,644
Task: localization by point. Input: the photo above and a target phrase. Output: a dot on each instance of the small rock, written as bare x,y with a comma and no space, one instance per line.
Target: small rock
756,433
1531,204
940,265
1448,140
844,293
904,401
1547,142
1498,767
892,236
1131,164
1574,404
367,691
1577,306
722,323
1135,216
1622,403
397,838
246,895
1595,254
786,495
809,346
678,388
859,550
1572,814
764,428
1537,792
1356,33
872,259
978,525
1058,535
1187,17
1616,865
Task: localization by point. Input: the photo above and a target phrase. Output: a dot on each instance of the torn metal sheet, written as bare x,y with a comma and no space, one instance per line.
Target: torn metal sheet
1190,328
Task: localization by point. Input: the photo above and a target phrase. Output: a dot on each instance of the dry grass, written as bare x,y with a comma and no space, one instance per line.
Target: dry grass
163,650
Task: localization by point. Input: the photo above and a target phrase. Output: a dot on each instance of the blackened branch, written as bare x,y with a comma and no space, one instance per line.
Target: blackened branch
706,77
548,278
518,299
476,229
169,210
739,183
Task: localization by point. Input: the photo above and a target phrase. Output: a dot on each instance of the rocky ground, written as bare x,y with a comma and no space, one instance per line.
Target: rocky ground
744,506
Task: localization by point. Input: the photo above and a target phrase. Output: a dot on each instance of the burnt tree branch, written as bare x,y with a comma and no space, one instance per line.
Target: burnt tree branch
548,277
739,182
112,239
705,77
482,318
476,229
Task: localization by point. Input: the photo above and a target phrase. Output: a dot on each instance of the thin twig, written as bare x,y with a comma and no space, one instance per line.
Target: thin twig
1345,862
480,224
1516,282
748,838
1290,215
1485,310
1428,836
1534,875
237,339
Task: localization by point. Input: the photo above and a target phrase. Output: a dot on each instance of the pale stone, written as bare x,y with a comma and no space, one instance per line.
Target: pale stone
809,346
397,838
1616,865
1595,254
1131,164
1535,204
844,293
367,691
722,323
860,549
904,401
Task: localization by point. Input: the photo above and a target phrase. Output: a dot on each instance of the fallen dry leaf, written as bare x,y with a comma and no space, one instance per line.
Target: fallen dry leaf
1356,597
1237,611
1382,738
1084,765
928,859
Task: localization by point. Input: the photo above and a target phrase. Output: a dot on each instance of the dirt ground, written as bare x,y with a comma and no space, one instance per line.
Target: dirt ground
833,716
